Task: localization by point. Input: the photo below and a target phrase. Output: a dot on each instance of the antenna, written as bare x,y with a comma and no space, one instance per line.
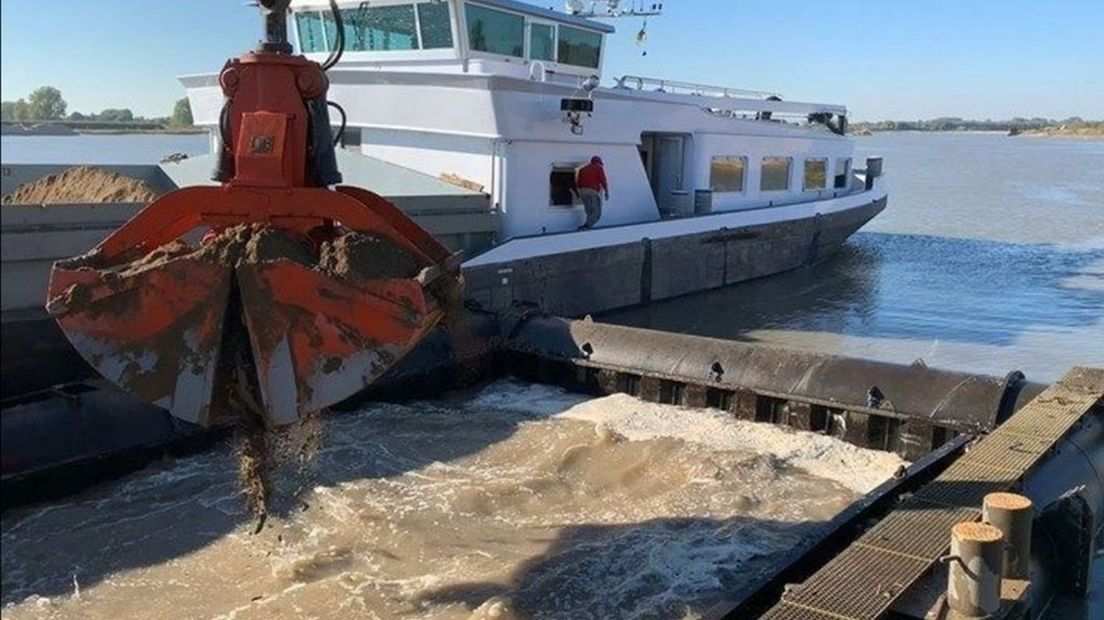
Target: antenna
613,8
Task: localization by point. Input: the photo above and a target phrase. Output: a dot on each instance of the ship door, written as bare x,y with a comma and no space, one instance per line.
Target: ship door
667,172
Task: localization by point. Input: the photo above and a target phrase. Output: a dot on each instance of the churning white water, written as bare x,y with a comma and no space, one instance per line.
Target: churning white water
518,501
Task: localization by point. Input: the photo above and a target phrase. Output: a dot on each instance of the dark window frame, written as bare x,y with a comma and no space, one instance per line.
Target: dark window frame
472,42
562,178
763,175
564,51
823,161
713,184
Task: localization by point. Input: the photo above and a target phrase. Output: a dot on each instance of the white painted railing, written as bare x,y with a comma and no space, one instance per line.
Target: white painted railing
636,82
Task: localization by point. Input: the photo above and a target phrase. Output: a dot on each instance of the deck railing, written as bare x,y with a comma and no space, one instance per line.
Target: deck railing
636,82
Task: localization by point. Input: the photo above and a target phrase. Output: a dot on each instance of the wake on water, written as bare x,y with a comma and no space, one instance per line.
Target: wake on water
518,501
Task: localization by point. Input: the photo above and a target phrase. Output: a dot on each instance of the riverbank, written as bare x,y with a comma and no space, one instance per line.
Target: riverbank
178,131
57,129
1091,132
1069,128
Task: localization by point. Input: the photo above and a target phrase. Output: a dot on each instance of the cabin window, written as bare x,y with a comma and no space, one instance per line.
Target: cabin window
562,185
380,28
495,32
775,175
580,48
843,171
726,174
436,27
542,42
816,174
329,27
310,32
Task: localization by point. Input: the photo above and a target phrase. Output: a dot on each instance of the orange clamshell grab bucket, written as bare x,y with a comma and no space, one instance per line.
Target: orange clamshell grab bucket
155,328
173,324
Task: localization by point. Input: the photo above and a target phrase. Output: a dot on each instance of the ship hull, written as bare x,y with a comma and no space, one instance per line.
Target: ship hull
590,280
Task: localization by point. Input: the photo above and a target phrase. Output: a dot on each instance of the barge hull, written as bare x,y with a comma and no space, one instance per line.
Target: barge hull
593,280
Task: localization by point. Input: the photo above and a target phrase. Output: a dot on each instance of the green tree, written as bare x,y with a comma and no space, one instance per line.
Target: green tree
15,110
77,116
116,115
47,104
20,110
182,113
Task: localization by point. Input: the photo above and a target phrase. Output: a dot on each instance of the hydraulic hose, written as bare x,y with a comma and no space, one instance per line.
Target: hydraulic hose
344,120
339,47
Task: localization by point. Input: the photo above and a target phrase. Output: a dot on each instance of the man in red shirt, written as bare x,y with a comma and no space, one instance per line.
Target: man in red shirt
591,185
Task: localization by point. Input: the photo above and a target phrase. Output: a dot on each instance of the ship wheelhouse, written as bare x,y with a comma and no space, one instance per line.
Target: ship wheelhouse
456,33
508,99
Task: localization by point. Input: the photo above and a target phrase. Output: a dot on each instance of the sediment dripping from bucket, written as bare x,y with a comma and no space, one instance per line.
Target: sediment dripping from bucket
271,458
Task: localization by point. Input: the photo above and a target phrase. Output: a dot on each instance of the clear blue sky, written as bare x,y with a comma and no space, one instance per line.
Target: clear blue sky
898,59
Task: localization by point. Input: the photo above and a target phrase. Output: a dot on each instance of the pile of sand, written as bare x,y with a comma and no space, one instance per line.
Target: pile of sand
82,184
366,256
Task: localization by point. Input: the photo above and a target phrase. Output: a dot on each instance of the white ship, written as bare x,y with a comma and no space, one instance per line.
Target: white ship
709,185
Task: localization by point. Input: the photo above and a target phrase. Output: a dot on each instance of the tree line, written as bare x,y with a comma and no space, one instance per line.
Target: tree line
47,104
959,124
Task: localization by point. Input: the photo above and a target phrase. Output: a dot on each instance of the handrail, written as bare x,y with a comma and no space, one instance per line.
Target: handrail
662,85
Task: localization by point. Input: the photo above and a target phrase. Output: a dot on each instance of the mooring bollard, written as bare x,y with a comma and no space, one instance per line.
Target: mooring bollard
1011,513
974,572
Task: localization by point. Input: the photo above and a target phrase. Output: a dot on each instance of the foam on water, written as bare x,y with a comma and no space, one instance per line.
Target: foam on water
859,469
519,501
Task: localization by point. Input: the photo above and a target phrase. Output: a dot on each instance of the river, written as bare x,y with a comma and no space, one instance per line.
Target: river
516,502
100,148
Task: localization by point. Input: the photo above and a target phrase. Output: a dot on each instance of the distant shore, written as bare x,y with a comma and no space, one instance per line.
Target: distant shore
1063,132
102,132
63,128
1074,128
167,130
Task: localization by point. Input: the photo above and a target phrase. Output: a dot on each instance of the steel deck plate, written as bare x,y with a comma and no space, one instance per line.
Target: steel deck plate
864,580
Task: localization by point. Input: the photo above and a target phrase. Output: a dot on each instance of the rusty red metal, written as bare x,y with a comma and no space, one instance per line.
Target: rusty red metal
316,339
150,313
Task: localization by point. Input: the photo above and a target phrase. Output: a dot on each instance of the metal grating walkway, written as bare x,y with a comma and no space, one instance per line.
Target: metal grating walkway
863,581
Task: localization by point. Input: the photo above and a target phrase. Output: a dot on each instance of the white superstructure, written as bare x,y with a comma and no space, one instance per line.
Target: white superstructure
474,90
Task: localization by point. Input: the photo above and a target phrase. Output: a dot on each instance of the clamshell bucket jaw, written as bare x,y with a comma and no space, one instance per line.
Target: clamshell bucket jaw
167,325
297,296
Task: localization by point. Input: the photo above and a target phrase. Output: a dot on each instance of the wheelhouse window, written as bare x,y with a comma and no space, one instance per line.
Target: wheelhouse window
495,32
726,174
396,27
380,28
309,25
436,26
843,171
329,27
542,42
816,174
775,174
562,184
581,48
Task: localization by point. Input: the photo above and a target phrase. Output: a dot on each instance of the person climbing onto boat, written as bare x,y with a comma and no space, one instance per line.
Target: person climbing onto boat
591,185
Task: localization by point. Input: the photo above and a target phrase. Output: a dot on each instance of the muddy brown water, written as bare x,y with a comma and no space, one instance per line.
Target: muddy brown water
519,501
